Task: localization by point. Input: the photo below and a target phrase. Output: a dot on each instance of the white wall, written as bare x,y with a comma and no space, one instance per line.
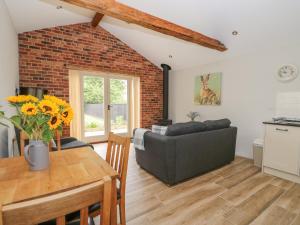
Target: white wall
249,90
8,71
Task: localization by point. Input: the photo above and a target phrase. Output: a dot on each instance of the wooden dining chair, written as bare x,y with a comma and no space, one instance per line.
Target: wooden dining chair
117,156
57,144
23,138
58,205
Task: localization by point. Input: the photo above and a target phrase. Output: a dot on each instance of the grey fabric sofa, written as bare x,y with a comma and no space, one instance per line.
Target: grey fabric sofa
174,158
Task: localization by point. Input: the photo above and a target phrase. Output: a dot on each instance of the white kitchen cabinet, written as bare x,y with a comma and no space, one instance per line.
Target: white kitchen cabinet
281,154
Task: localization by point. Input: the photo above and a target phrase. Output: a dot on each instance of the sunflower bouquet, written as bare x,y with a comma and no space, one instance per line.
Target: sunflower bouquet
39,119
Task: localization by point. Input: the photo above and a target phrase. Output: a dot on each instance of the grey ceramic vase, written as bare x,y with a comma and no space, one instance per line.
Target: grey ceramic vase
37,155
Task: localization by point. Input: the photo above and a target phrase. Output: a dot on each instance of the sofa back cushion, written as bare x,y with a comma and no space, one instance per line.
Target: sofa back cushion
159,129
185,128
217,124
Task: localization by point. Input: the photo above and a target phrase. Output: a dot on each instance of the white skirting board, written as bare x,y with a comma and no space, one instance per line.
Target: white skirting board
283,175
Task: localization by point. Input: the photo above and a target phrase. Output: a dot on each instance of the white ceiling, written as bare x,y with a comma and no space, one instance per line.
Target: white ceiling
261,24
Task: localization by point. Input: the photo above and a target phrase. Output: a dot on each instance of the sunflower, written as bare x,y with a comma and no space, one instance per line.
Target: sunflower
29,109
21,99
56,100
54,122
31,98
12,99
48,107
67,115
17,99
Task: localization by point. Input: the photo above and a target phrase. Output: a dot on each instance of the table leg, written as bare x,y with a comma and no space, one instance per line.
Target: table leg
114,202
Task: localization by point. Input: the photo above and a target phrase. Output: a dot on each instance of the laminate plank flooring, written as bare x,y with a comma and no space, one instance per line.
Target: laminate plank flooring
275,215
236,194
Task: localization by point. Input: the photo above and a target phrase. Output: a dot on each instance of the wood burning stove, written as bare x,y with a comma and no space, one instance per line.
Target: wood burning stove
165,121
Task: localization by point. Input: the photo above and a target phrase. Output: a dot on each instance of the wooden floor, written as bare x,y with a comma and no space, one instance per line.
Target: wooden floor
235,194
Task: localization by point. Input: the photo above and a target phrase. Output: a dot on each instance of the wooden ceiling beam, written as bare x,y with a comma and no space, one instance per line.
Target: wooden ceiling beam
96,19
131,15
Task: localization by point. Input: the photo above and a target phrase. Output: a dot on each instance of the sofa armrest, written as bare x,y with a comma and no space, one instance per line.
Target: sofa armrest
159,156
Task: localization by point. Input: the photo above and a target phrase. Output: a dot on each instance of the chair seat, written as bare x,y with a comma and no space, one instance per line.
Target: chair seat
73,144
75,215
74,222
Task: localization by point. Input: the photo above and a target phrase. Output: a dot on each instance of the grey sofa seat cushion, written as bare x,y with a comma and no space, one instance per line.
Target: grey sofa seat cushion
185,128
217,124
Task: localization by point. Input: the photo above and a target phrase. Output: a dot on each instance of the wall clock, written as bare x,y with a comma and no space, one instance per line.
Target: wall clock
287,73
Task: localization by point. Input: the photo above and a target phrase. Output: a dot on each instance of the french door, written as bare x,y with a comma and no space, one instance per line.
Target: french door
105,103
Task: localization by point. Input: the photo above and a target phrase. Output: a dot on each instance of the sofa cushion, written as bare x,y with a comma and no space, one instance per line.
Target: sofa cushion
185,128
159,129
217,124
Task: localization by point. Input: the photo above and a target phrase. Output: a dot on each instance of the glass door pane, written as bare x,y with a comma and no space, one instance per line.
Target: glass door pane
94,110
118,106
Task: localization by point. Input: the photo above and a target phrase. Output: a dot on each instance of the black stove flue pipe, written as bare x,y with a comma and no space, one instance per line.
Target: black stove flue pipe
166,69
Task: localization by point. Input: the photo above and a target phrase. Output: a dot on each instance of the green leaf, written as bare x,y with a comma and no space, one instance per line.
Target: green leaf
16,120
41,120
2,116
28,130
47,135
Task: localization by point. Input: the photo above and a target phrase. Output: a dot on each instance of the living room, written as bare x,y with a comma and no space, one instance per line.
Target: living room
200,98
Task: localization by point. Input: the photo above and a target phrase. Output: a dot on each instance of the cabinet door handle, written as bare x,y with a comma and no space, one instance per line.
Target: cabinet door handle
279,129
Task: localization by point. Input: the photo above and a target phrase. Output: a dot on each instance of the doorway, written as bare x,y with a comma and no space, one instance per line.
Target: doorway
107,104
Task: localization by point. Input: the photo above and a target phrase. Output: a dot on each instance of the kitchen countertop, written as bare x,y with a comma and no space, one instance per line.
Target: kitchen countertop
283,123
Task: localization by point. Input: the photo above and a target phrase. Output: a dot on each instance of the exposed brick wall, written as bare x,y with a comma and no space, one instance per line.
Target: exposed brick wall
46,56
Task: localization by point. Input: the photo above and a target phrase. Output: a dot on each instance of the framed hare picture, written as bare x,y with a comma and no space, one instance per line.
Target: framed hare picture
208,89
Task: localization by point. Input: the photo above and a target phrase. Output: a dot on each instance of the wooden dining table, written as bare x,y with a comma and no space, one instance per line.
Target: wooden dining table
68,169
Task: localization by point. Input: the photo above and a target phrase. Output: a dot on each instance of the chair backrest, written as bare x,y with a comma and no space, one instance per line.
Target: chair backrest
58,205
117,156
58,141
23,138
